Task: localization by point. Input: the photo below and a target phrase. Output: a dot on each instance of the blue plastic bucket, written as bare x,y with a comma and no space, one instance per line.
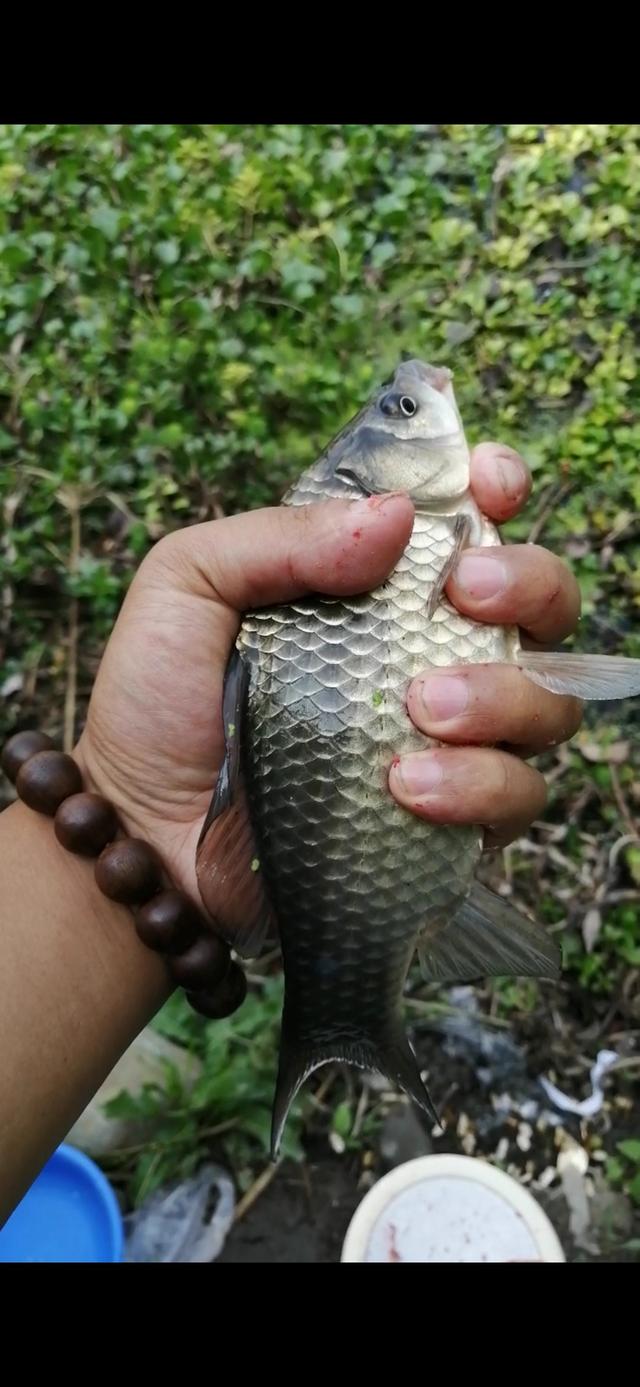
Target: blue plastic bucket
70,1214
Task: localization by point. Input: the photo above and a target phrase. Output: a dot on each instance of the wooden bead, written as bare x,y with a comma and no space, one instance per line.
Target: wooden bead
85,824
20,748
46,779
169,923
222,1000
203,965
128,871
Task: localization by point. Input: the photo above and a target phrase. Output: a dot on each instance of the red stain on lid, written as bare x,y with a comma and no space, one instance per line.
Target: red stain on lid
394,1255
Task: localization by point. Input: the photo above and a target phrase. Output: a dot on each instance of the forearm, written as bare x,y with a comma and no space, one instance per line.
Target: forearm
76,987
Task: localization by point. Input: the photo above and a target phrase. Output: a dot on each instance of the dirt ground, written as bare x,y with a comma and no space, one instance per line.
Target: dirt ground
485,1084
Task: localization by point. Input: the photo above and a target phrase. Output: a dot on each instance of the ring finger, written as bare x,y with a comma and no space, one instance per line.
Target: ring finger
470,786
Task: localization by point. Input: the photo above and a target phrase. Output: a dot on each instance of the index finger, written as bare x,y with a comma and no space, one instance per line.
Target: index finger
500,480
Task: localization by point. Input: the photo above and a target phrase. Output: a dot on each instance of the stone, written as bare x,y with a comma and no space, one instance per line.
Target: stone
98,1134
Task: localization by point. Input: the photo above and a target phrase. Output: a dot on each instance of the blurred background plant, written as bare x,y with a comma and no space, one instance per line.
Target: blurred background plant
187,314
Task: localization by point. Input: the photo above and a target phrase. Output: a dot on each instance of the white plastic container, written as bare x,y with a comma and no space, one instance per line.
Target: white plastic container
450,1209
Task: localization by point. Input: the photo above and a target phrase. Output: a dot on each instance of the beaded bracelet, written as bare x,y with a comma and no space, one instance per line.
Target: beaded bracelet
128,871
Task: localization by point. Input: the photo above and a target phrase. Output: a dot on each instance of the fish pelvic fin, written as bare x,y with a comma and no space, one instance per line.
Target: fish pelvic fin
461,538
589,677
390,1055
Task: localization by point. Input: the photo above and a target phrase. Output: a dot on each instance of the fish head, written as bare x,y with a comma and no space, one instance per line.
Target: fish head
409,438
419,403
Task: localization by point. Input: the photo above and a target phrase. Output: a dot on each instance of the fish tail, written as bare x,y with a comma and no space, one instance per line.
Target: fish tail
391,1055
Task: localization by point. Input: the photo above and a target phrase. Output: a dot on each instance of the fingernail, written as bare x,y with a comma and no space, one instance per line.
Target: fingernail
480,577
419,774
513,477
443,696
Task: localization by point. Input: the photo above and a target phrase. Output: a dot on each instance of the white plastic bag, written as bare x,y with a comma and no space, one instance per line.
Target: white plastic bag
170,1226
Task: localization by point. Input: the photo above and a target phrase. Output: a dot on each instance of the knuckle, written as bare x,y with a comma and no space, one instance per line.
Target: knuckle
504,776
485,724
537,791
160,560
557,579
163,552
298,515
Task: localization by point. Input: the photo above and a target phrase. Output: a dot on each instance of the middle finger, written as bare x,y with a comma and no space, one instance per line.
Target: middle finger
487,704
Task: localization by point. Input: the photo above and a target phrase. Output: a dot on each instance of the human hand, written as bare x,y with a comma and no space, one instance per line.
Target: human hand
153,742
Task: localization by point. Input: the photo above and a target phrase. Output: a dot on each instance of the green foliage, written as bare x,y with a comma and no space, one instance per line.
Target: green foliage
624,1169
230,1103
187,313
515,994
347,1133
618,944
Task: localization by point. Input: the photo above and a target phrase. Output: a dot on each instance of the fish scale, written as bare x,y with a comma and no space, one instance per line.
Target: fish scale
327,695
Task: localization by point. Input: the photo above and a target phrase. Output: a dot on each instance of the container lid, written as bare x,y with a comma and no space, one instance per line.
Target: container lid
450,1209
70,1214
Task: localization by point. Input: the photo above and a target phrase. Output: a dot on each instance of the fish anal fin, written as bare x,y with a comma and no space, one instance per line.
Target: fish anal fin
488,938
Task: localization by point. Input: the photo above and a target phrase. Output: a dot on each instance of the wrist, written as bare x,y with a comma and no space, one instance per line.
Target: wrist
128,870
86,921
76,987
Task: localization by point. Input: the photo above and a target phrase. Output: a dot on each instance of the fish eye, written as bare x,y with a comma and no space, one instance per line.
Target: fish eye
394,405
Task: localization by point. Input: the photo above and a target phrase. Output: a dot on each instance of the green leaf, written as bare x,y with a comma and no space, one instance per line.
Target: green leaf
630,1149
105,219
123,1106
342,1120
615,1170
168,252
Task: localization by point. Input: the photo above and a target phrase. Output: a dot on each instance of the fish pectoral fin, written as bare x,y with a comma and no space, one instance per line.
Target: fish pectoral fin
227,863
390,1055
488,938
234,695
461,536
590,677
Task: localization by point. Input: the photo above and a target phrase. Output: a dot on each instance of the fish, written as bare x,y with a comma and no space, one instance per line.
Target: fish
314,710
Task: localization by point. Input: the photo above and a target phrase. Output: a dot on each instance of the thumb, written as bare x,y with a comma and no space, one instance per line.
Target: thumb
277,554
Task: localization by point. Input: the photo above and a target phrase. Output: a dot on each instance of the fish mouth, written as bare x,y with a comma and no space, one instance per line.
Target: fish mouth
438,377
